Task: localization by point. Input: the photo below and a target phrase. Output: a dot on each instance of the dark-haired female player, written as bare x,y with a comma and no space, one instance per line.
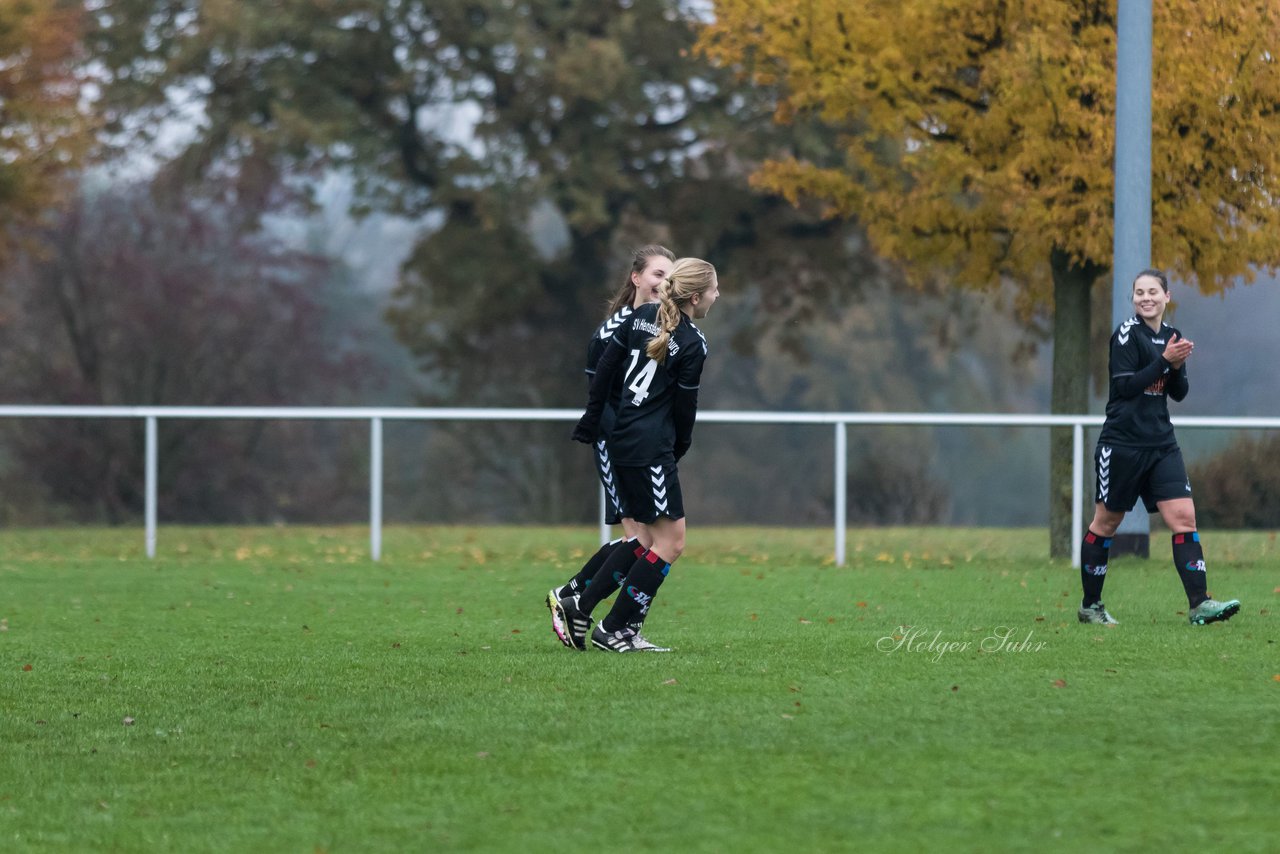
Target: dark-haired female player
659,353
1138,457
650,266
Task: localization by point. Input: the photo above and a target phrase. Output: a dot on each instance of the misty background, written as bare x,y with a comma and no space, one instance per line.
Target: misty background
431,206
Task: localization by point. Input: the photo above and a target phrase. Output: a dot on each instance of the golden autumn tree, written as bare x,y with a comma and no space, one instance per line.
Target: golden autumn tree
43,131
979,140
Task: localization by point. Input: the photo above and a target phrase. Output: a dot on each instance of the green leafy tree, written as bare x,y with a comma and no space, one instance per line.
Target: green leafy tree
977,145
481,120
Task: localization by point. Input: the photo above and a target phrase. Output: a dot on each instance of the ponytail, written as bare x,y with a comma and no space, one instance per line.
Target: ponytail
668,320
689,276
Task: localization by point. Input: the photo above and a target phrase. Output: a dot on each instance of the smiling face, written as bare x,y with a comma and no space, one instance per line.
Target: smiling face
647,280
1150,299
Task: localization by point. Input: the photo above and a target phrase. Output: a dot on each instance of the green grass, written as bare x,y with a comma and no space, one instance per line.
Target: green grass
274,690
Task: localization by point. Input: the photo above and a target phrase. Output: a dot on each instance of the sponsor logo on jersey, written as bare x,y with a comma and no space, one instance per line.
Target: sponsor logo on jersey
653,329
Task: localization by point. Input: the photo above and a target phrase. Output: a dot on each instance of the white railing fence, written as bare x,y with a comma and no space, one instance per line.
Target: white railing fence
839,421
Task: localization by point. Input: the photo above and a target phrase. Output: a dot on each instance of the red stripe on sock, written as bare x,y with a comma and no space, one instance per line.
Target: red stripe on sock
1089,537
1179,539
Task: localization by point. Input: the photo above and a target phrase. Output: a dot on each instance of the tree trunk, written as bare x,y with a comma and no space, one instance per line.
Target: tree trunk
1071,286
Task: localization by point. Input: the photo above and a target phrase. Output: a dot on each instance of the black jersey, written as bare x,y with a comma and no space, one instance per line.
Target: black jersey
595,349
1141,384
645,430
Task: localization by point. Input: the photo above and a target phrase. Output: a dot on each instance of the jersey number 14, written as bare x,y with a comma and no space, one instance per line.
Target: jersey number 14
638,381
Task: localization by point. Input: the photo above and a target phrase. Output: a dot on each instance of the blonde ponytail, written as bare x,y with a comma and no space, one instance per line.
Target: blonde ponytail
688,276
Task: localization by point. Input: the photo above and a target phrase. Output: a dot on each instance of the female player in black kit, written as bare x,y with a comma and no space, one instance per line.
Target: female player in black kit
659,354
1138,457
649,268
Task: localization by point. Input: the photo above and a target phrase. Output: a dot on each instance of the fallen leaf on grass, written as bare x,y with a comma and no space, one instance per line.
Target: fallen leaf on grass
1059,683
26,667
1276,678
128,721
484,754
806,622
861,604
674,682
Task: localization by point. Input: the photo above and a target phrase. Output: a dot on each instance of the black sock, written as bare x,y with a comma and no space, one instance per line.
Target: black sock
1188,557
609,576
637,622
589,569
1093,567
638,590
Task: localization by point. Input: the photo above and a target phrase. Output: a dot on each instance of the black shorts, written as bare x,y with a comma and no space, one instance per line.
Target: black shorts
1126,474
613,512
650,491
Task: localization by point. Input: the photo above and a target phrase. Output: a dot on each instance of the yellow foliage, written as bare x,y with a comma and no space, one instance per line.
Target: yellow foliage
980,135
44,134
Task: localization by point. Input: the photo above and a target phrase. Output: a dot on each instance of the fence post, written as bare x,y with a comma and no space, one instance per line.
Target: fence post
375,488
152,463
604,510
1077,490
842,486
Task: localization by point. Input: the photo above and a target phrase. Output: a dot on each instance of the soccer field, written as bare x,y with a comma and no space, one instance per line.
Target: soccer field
273,690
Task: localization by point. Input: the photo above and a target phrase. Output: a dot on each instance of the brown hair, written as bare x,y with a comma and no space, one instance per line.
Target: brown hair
1158,275
639,261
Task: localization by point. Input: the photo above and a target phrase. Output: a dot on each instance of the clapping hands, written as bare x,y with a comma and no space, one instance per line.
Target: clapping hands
1178,350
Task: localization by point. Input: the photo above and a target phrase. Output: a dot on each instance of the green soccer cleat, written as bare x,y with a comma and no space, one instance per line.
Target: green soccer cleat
1097,614
1213,611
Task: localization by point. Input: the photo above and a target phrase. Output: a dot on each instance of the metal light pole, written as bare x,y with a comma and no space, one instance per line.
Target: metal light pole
1132,249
